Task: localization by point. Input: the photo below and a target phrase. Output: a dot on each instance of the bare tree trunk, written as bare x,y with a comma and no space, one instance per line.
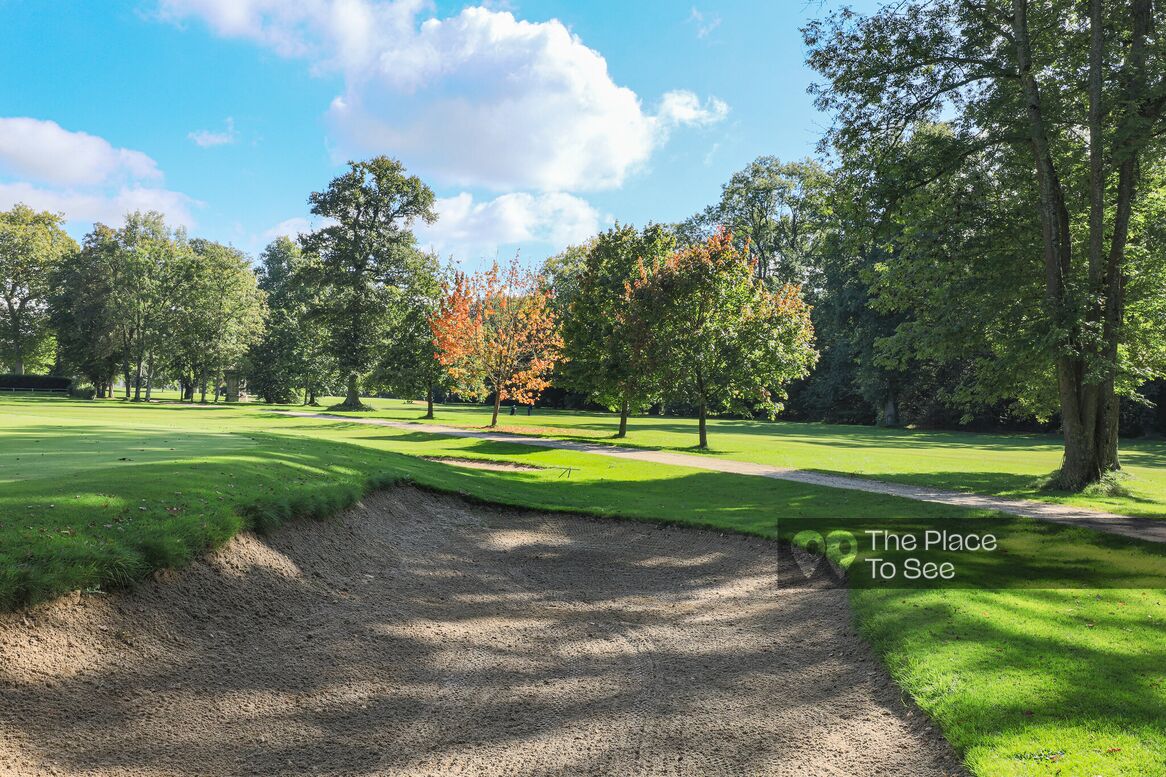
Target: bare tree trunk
623,419
429,403
497,402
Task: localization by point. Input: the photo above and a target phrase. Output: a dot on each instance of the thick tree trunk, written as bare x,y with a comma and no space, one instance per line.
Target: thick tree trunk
497,403
18,365
138,381
623,419
429,403
352,397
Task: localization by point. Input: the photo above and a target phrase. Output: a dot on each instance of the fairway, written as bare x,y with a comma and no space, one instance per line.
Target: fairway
1007,675
1014,465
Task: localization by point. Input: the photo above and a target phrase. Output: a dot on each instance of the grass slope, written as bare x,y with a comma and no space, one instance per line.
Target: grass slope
1023,682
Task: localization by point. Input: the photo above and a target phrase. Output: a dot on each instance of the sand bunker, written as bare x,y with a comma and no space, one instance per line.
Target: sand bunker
423,635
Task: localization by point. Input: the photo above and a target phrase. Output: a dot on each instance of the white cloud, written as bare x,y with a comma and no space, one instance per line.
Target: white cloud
45,151
81,175
704,24
478,99
293,228
471,230
209,139
106,207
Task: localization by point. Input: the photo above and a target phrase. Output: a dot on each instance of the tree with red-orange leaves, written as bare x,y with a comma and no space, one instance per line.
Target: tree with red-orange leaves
496,333
720,339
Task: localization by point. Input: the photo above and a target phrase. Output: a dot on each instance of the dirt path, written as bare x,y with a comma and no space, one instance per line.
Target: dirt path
1111,523
421,635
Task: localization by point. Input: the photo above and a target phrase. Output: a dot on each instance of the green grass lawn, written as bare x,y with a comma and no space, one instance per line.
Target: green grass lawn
1026,681
1000,464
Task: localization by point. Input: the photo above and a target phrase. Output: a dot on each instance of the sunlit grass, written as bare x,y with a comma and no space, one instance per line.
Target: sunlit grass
1022,681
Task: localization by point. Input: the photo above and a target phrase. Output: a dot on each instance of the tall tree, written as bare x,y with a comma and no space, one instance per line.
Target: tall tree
362,254
292,355
719,337
144,274
82,311
776,208
409,364
1077,98
32,245
601,359
496,333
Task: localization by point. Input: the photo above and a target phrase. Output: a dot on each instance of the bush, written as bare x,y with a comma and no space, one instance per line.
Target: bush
83,392
35,383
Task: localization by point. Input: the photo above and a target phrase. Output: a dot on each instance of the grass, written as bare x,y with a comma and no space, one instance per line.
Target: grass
1016,465
1025,681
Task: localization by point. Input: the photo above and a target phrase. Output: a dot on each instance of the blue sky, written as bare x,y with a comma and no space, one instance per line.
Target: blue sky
535,122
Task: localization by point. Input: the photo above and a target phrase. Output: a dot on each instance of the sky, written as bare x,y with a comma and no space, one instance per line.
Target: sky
536,122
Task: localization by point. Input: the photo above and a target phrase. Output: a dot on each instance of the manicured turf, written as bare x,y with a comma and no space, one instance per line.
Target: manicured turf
1023,681
999,464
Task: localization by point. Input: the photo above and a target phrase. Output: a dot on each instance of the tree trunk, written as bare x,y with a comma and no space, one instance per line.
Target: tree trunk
138,381
352,398
704,438
890,412
429,403
125,369
623,419
497,403
18,365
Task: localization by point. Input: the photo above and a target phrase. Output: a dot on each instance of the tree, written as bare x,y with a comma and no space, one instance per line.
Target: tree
361,255
218,310
409,365
597,333
719,338
32,245
775,207
496,334
82,310
1074,96
144,273
292,355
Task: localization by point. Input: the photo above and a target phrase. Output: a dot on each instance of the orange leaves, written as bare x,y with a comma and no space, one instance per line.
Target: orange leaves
496,332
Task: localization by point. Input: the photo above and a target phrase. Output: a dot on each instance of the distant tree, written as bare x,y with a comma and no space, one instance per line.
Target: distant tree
32,245
597,330
496,334
219,313
409,365
361,255
717,335
82,310
776,208
144,274
279,363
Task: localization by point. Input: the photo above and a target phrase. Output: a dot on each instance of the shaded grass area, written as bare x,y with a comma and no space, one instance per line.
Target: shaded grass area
1015,465
1022,681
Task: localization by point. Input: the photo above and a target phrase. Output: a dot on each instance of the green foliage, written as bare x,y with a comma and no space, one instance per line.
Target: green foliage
601,359
408,365
718,337
32,246
362,256
292,356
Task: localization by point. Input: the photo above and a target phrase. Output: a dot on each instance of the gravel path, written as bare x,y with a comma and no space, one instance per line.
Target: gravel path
421,635
1111,523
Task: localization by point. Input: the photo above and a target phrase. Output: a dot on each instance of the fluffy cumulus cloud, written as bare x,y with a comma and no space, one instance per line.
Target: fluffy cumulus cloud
83,176
554,220
480,99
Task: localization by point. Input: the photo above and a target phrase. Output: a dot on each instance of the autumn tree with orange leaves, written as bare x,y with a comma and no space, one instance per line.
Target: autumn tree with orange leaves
495,332
720,339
